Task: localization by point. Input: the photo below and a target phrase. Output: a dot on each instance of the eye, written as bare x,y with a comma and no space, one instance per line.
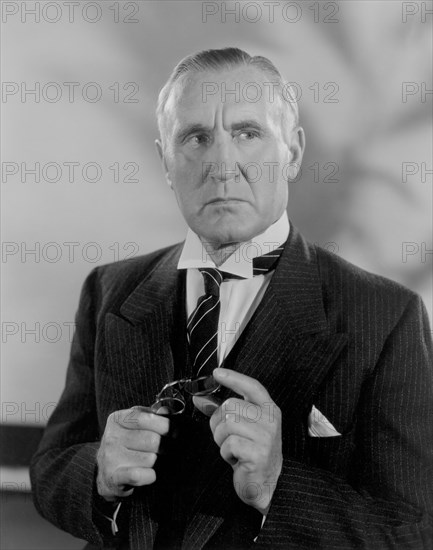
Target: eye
248,135
198,139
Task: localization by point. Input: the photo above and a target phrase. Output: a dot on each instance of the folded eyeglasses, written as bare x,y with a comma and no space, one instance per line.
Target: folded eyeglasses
172,395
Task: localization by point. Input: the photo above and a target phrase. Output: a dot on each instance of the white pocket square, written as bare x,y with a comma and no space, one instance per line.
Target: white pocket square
319,425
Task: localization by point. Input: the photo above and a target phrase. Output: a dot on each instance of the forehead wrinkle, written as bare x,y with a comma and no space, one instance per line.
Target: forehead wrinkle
179,96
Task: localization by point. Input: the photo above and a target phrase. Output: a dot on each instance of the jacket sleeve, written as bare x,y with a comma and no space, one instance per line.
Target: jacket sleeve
386,501
63,471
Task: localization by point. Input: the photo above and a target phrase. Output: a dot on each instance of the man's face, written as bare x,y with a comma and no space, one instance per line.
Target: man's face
227,157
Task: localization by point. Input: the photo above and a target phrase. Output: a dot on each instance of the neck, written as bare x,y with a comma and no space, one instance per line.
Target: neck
219,253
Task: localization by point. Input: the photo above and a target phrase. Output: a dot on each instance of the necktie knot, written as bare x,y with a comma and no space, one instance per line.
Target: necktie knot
212,278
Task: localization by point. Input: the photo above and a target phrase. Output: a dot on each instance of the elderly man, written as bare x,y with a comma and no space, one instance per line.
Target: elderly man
316,375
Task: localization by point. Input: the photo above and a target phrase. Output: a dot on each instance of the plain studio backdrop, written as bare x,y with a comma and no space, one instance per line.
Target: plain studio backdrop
82,184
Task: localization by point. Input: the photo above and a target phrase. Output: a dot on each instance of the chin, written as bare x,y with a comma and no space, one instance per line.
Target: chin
226,234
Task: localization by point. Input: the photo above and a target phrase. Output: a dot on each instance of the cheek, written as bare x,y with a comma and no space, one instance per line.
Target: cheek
183,196
273,161
187,188
186,170
271,194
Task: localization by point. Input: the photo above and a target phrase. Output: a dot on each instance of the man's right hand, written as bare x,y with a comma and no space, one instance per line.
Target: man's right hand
128,451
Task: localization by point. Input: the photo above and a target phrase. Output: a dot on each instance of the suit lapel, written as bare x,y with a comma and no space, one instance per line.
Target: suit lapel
288,348
138,340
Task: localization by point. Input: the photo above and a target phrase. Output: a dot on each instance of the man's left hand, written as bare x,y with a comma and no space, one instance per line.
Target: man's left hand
248,432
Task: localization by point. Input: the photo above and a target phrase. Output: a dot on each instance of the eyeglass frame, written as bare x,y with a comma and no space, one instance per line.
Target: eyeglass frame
178,387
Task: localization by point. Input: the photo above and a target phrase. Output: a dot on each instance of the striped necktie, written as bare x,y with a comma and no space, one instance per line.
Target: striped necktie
202,328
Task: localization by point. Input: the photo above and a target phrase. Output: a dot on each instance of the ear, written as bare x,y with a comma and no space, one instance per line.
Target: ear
161,155
296,148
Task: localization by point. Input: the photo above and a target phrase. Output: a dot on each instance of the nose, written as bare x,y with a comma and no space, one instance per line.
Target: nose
222,160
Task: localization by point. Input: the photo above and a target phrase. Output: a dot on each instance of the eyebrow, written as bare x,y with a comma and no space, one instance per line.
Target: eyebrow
195,128
248,124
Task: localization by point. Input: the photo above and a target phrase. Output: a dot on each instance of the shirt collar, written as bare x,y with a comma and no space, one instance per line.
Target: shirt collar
239,263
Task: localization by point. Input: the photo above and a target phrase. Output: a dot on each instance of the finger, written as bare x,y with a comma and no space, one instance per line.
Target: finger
139,418
233,425
141,459
110,493
160,410
131,459
244,410
133,476
249,388
230,406
237,449
142,440
241,409
206,404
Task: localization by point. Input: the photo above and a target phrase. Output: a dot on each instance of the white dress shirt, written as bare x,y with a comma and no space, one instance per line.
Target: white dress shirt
239,297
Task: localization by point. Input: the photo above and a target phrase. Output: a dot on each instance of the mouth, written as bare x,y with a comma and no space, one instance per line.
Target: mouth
226,200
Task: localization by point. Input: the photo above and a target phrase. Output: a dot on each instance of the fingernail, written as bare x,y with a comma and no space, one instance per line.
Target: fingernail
222,373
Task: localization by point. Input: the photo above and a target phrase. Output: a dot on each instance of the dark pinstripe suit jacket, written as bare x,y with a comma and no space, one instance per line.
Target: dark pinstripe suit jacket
355,345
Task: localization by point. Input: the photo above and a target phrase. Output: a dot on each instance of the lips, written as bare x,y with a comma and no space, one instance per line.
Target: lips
224,200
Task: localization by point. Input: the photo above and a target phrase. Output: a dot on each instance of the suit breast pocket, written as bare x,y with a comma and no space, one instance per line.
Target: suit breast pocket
332,453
